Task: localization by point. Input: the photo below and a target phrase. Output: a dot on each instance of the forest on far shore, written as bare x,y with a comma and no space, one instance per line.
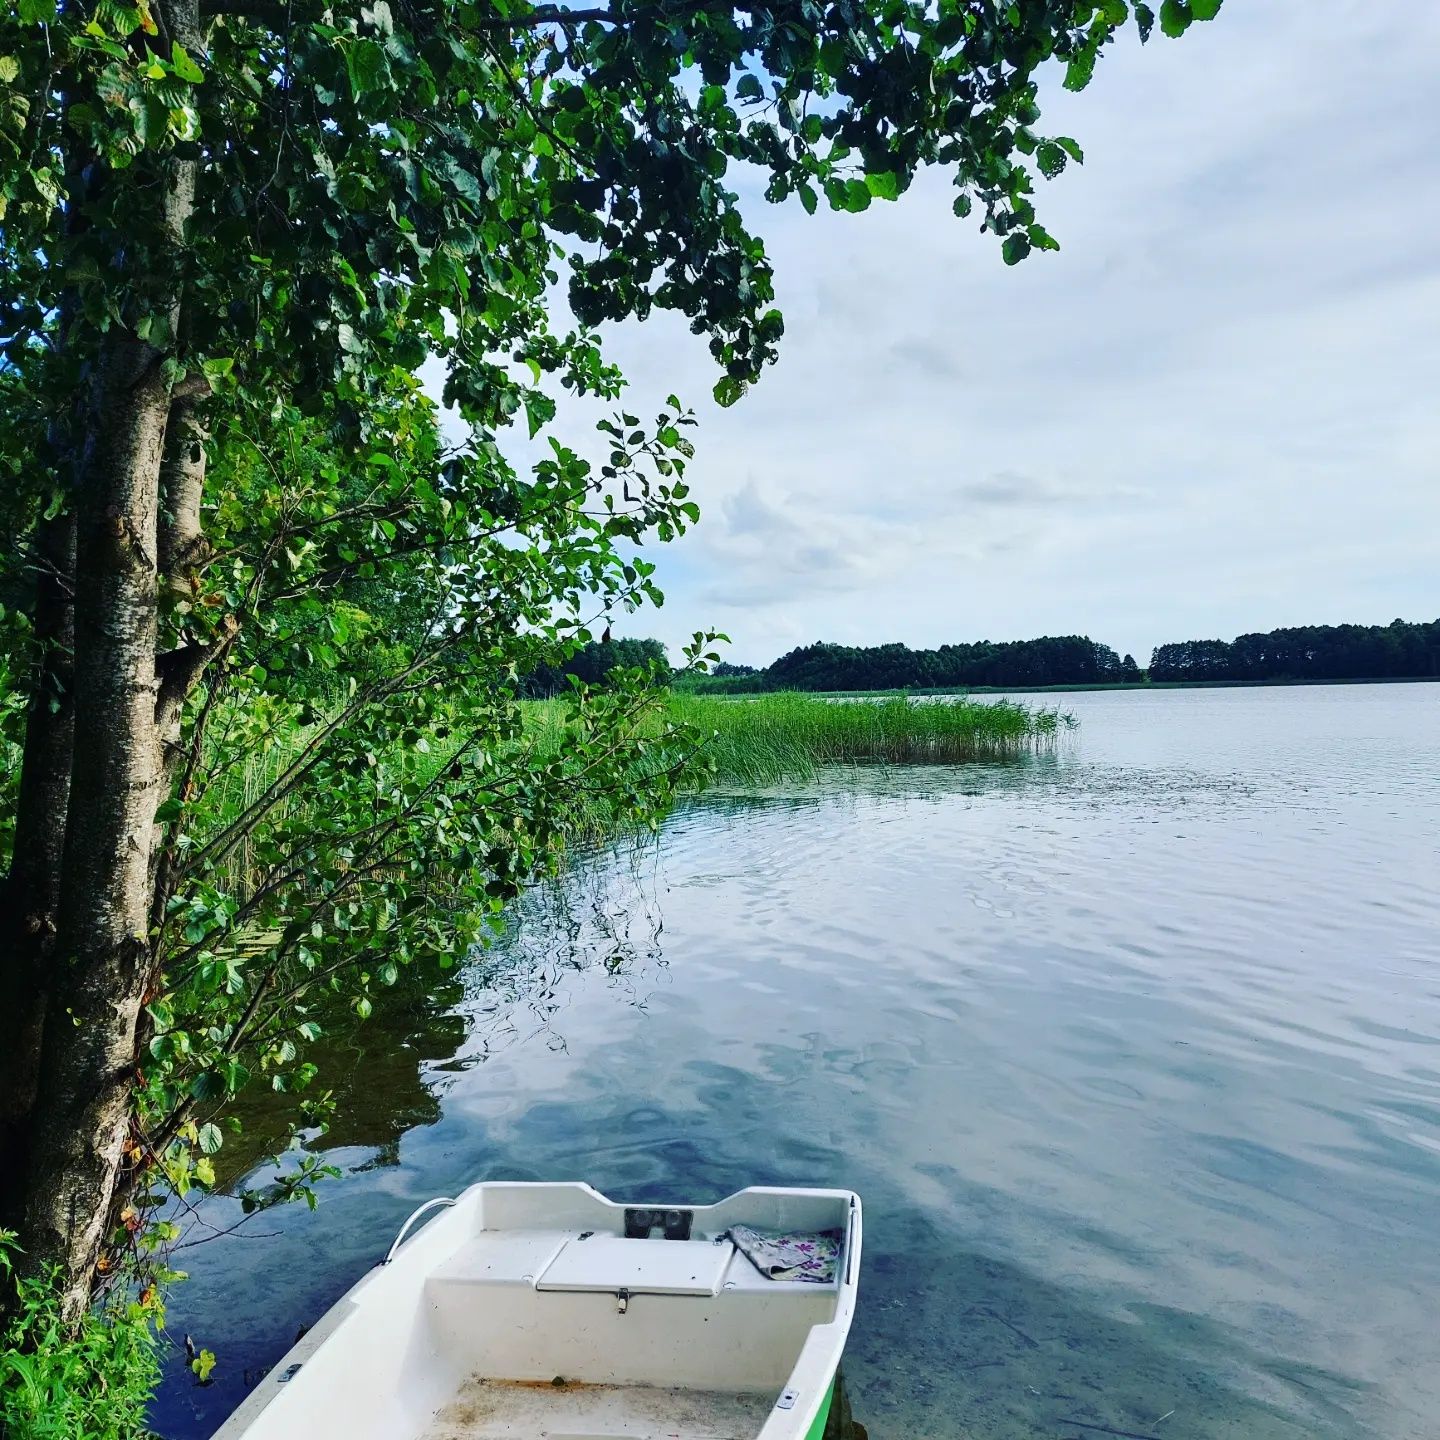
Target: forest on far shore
1402,650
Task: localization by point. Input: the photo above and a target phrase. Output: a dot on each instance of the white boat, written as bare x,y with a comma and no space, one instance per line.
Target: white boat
538,1310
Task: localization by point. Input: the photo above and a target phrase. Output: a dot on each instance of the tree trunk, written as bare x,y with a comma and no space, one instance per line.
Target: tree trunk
102,951
32,890
182,541
102,956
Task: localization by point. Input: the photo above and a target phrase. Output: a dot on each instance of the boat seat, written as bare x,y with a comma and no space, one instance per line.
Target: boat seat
610,1263
502,1257
558,1260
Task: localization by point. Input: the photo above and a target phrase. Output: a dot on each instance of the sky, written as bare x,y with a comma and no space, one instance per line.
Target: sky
1213,411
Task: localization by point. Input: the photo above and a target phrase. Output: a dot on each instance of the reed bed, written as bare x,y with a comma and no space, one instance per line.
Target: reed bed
758,740
749,740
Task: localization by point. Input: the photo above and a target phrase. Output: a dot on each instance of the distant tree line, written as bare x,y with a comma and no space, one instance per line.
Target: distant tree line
1399,650
1051,660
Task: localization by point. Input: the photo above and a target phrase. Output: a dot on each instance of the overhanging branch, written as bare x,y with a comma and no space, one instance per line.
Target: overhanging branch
278,16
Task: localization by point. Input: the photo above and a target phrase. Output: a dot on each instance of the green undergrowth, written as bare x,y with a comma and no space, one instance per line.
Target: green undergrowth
58,1383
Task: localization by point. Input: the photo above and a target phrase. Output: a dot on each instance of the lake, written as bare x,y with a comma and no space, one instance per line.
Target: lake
1132,1049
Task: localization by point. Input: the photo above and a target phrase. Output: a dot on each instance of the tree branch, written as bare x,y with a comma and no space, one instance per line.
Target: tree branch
267,12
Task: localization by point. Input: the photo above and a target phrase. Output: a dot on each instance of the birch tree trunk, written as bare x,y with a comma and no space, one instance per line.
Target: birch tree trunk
102,950
102,954
32,891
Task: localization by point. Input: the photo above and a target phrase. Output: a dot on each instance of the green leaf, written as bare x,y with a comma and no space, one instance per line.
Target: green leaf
9,69
207,1086
808,198
883,185
183,65
365,63
1175,17
1081,69
210,1138
363,1008
1041,238
749,88
1205,9
1015,248
154,328
728,390
1050,157
1144,19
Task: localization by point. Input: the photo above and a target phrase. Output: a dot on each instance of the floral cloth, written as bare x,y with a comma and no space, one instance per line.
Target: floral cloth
790,1257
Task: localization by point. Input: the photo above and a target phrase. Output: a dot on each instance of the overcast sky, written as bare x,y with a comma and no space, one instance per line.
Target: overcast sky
1215,410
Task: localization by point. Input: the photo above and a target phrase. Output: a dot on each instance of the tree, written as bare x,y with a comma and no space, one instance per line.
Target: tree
1050,660
230,232
1399,650
593,664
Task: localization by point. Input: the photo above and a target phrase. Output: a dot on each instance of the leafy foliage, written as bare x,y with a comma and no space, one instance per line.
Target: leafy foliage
382,183
59,1384
366,792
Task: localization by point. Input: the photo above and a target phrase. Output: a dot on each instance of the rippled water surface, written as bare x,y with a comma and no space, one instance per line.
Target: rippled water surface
1133,1051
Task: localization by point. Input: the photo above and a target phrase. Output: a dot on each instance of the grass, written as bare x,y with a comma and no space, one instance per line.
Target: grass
760,739
752,740
63,1382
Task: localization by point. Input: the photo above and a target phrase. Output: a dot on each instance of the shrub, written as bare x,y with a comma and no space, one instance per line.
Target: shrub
58,1383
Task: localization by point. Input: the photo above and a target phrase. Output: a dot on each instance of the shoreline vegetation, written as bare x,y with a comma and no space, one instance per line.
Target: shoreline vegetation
790,736
755,740
745,740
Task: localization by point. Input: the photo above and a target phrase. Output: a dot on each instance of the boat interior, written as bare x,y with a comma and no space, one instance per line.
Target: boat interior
548,1311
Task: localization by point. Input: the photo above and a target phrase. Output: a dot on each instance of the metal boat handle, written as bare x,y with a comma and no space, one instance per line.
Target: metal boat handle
435,1204
849,1240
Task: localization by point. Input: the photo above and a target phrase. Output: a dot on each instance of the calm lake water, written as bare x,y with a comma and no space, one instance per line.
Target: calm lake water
1132,1049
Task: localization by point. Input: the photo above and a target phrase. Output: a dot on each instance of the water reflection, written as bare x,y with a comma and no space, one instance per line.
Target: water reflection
1131,1051
388,1074
375,1072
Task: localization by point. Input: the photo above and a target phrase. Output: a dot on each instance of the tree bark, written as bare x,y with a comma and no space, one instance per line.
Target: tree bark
32,890
182,540
102,955
102,951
